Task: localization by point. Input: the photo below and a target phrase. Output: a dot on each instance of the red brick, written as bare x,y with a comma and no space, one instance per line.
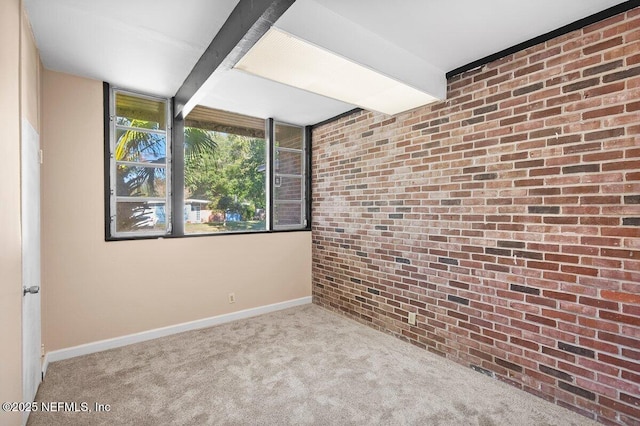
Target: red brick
608,44
559,315
633,310
627,375
541,320
599,325
559,354
604,90
608,199
604,112
621,340
560,296
628,353
598,303
574,369
620,297
599,366
633,320
624,254
607,402
599,345
621,165
628,365
543,265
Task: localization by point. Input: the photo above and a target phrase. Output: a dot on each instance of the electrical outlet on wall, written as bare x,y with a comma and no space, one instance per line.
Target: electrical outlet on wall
412,318
232,298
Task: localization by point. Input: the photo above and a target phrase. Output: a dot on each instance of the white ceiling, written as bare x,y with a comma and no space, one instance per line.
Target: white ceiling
453,33
151,45
145,45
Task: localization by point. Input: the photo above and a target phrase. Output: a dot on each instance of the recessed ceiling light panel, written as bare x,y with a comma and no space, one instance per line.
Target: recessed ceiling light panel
281,57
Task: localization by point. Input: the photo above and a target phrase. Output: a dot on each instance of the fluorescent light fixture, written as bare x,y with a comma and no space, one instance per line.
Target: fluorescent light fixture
281,57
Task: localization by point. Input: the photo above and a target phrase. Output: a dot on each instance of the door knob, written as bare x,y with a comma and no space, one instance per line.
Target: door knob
33,290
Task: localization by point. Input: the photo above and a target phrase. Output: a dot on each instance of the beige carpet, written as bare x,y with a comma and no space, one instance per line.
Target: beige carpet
299,366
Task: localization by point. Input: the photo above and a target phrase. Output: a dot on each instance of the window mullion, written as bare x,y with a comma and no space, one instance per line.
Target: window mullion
307,176
139,199
140,164
140,129
270,172
176,198
109,162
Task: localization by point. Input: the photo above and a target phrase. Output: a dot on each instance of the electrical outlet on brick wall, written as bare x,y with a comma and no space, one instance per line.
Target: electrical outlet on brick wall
412,318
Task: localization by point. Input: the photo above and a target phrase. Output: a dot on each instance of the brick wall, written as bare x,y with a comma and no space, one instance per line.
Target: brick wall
507,218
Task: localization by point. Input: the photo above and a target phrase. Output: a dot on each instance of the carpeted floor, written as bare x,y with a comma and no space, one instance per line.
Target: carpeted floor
299,366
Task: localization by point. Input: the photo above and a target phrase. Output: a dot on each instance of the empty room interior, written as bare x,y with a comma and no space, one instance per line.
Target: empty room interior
320,212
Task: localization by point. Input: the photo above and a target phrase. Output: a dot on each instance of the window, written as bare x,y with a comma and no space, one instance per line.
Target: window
139,165
231,173
289,209
225,164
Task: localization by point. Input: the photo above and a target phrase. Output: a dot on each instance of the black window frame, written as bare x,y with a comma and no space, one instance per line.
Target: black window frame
176,170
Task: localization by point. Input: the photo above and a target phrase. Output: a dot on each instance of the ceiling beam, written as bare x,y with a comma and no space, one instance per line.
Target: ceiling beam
246,24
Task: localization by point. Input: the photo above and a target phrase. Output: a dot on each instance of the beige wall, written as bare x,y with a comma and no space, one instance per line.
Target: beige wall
19,97
96,290
29,75
10,250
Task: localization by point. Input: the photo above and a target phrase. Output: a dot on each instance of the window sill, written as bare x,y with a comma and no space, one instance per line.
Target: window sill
213,234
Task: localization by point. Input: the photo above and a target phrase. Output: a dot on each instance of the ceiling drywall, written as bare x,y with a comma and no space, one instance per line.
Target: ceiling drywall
151,45
452,33
144,45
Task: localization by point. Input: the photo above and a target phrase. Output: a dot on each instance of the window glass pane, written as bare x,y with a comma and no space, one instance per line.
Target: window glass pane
287,214
288,163
289,136
139,165
288,177
141,147
225,122
224,178
141,217
288,188
134,181
136,111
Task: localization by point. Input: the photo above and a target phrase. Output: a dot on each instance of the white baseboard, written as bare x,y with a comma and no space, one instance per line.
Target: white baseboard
116,342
